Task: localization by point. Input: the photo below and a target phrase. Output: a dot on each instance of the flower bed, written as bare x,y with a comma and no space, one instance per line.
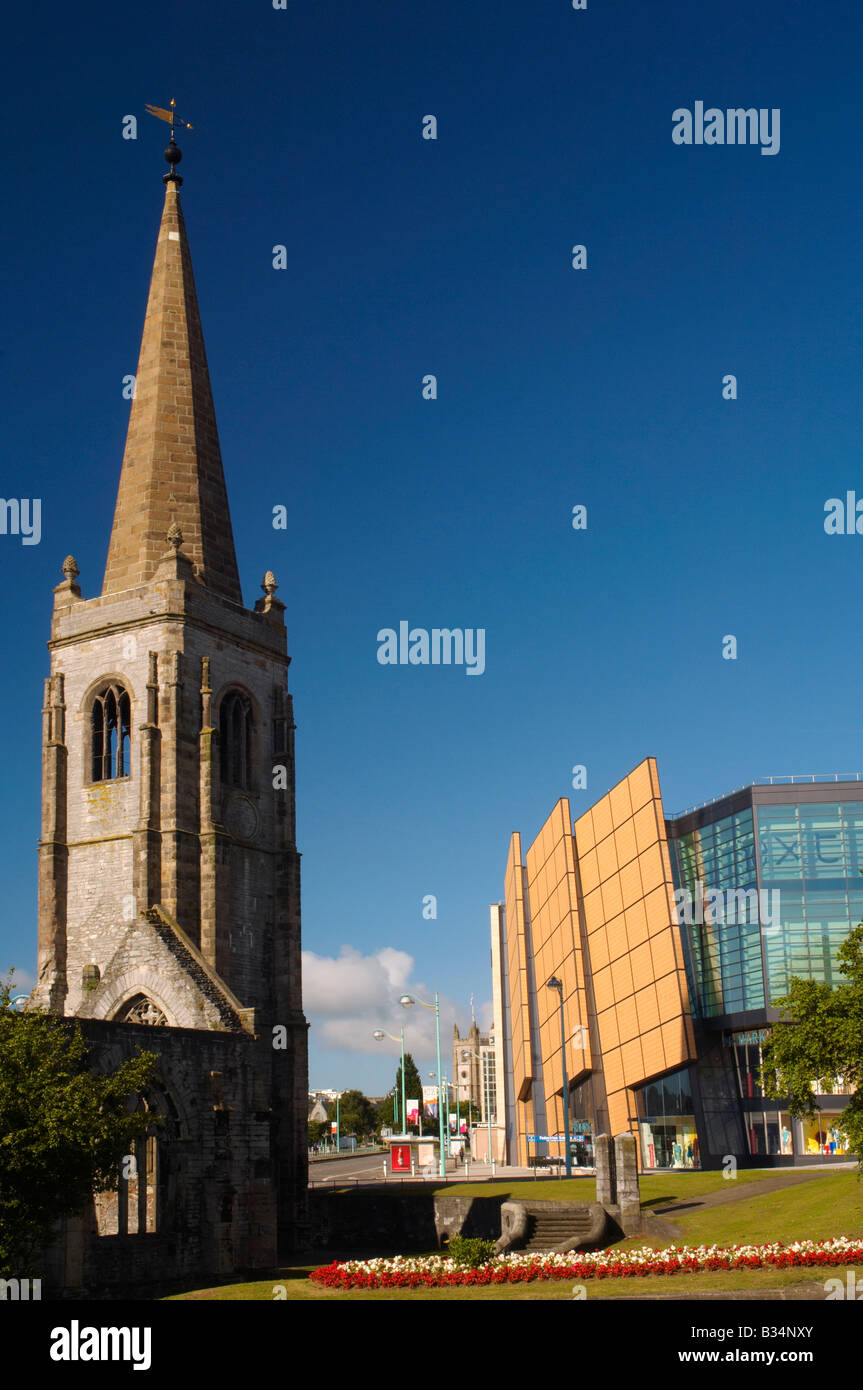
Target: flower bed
438,1271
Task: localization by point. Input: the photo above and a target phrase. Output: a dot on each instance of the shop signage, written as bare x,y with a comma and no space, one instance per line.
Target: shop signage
755,1036
576,1127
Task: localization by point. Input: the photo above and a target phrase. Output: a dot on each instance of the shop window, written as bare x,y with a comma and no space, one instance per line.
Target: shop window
666,1123
823,1134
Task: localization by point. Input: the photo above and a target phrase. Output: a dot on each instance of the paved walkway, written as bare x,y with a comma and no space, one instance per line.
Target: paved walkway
792,1293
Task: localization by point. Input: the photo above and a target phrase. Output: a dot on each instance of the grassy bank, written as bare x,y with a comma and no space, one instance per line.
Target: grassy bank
812,1208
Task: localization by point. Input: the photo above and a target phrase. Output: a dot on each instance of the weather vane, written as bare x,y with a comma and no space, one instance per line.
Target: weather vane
170,116
172,154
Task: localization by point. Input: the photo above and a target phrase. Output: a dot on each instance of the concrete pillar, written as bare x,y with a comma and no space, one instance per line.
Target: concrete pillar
606,1188
628,1195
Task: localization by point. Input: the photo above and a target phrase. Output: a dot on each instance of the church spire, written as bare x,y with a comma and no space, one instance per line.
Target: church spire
172,464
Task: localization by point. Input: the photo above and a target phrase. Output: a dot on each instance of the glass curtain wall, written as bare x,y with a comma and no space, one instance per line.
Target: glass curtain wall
811,857
716,867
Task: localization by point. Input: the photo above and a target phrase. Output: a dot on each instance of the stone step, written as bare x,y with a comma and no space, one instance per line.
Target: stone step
565,1225
548,1229
537,1227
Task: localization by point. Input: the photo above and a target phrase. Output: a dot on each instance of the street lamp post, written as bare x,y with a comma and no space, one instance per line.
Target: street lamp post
446,1084
379,1034
407,1001
469,1052
555,983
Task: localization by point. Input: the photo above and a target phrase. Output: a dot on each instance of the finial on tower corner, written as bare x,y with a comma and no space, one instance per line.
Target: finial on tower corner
173,154
70,589
271,607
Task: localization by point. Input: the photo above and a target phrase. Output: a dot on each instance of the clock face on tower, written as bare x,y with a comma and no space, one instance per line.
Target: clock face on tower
241,818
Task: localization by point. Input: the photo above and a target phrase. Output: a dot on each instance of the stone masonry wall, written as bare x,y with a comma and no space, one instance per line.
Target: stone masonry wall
216,1202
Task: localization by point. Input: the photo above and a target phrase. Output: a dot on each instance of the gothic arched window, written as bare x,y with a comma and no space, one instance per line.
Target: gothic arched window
131,1208
112,734
142,1010
235,739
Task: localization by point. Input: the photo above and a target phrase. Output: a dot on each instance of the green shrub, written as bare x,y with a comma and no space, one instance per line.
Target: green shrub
472,1251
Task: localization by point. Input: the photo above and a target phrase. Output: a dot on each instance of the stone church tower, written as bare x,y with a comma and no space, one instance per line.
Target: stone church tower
169,878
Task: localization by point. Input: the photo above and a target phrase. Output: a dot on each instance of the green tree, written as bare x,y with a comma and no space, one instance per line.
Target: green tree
357,1115
63,1130
413,1090
466,1111
319,1130
819,1038
386,1113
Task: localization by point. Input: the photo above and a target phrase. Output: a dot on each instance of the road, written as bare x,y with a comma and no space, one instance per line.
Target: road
369,1168
363,1168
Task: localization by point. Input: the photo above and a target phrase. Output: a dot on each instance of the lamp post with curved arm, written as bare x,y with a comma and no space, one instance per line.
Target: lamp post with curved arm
407,1001
379,1034
555,983
445,1083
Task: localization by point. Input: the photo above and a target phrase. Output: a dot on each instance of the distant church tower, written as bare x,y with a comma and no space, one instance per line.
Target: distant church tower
169,878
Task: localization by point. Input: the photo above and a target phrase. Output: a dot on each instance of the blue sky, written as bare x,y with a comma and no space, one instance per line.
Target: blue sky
555,387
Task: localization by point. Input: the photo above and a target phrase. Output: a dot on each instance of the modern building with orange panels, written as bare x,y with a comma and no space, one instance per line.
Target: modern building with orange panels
666,994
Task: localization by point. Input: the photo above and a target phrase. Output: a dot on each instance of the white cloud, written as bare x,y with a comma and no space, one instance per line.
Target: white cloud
346,997
22,981
485,1015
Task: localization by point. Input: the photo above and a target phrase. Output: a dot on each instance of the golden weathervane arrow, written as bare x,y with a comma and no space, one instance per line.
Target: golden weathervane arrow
170,116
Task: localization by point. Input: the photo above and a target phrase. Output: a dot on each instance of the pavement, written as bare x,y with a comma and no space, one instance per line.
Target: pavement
793,1293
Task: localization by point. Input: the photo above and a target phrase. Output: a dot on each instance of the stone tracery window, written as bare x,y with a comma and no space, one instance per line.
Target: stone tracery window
235,740
142,1010
111,722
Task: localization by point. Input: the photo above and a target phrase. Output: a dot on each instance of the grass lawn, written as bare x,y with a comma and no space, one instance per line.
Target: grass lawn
654,1188
813,1208
299,1288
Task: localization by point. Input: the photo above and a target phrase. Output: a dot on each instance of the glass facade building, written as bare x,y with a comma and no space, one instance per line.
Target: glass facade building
671,939
723,958
811,855
767,886
790,886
